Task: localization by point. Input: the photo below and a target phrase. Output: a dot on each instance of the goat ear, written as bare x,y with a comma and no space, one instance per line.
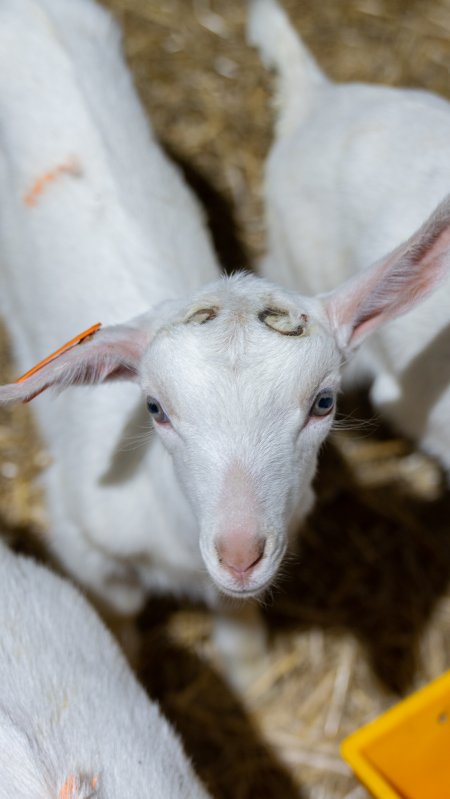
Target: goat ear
395,284
108,354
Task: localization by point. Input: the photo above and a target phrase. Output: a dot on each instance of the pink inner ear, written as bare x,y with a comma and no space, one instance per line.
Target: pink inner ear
431,259
69,344
395,284
113,353
36,393
121,373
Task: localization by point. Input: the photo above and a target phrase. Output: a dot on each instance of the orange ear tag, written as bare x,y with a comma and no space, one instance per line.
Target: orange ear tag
72,343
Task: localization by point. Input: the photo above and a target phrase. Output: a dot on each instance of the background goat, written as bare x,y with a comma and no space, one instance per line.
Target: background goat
74,723
354,170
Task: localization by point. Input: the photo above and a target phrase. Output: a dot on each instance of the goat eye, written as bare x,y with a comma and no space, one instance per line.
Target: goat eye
323,403
155,411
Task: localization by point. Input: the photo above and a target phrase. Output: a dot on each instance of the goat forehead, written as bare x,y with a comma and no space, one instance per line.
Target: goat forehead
242,360
236,327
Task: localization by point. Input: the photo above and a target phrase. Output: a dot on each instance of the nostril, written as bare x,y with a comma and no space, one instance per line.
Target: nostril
240,557
257,559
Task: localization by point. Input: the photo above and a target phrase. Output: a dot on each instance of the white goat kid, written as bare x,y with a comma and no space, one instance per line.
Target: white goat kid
353,171
239,376
241,381
74,723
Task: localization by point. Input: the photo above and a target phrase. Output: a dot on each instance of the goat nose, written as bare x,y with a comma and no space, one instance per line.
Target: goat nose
240,554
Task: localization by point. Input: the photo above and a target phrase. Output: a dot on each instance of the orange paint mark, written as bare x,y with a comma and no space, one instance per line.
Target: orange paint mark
69,167
69,788
68,346
73,785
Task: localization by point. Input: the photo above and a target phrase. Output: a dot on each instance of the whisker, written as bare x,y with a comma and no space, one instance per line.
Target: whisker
134,442
355,424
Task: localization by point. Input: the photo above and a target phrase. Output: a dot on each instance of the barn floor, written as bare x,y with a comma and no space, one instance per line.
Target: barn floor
364,614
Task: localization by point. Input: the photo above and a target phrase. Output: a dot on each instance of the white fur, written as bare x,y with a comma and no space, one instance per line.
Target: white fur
74,723
97,225
101,245
237,365
354,170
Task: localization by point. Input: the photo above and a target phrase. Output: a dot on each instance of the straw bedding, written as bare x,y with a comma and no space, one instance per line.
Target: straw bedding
363,614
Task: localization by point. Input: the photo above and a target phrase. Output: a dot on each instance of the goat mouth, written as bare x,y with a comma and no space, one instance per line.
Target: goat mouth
244,593
253,587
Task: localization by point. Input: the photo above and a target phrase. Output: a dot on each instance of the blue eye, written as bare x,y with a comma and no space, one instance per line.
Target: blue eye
323,403
156,412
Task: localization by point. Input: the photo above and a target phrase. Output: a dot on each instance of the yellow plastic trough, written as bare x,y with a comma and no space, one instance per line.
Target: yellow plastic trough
405,753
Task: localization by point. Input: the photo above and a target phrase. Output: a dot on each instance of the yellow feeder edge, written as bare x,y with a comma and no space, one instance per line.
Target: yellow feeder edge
405,753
